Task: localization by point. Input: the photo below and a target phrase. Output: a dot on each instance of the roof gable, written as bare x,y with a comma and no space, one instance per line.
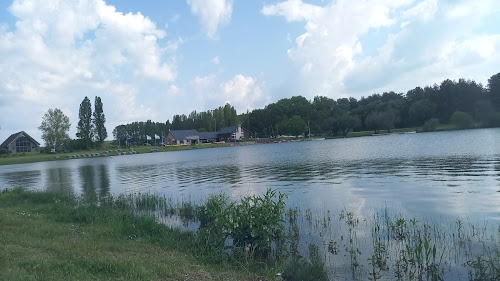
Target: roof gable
13,137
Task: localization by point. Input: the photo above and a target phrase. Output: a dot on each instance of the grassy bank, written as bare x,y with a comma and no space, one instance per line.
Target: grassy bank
31,157
48,237
45,237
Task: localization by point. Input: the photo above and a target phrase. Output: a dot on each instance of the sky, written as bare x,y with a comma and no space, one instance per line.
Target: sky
151,59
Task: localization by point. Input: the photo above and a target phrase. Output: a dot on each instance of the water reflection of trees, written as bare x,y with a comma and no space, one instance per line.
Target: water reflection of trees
59,180
27,179
95,182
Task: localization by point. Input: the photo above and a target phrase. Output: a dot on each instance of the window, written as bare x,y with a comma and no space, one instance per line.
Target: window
23,144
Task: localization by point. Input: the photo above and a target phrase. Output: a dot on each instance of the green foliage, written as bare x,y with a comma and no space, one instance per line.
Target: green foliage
431,125
253,224
85,128
99,121
421,110
300,269
380,120
462,120
495,120
213,219
55,126
256,223
296,126
494,89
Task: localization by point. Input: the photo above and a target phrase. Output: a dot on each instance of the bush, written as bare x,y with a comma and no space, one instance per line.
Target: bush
495,120
431,125
462,120
4,151
257,222
253,224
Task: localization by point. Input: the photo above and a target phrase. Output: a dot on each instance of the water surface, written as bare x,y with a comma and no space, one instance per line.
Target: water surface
442,174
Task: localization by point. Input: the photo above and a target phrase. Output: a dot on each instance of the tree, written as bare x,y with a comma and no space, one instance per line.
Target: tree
85,127
378,120
55,126
421,110
494,89
431,125
99,120
462,120
296,126
346,123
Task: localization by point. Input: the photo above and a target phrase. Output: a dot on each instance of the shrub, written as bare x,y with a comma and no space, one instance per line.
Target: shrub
257,222
462,120
253,224
431,125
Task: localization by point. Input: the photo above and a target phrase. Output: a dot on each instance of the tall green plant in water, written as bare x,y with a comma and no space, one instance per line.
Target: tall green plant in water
253,225
257,222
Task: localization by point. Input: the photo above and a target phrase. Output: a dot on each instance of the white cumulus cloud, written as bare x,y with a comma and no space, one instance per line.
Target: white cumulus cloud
417,43
59,51
212,13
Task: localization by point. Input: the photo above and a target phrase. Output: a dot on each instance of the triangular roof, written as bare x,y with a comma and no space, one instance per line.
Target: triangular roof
13,137
181,134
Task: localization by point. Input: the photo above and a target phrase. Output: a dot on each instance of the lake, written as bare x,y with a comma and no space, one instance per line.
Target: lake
445,174
344,190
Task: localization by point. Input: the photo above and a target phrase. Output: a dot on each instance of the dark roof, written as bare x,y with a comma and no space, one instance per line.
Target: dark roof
208,135
229,130
181,134
13,137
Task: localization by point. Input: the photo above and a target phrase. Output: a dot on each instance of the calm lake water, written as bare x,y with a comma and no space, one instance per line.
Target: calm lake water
445,174
434,177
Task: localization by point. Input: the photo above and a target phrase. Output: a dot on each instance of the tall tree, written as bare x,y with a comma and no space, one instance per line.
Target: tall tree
55,126
99,121
85,127
494,89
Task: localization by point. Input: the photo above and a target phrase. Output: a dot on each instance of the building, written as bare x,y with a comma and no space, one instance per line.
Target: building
208,137
186,137
233,133
182,137
20,142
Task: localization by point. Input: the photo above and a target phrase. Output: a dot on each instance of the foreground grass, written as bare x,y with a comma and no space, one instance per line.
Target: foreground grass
32,157
46,237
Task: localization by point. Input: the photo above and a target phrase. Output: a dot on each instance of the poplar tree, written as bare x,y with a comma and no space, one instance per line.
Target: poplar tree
85,127
99,120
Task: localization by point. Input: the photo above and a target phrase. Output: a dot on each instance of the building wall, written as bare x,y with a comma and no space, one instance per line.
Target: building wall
23,144
170,139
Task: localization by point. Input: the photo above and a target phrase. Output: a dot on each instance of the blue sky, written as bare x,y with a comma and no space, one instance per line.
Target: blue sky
153,59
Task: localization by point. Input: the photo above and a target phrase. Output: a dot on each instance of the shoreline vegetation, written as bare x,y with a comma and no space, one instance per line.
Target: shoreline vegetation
113,150
146,237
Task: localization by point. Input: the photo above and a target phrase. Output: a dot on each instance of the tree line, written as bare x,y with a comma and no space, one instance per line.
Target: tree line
91,129
463,103
206,121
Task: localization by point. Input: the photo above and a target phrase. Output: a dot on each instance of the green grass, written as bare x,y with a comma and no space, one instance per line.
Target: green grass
31,157
47,237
